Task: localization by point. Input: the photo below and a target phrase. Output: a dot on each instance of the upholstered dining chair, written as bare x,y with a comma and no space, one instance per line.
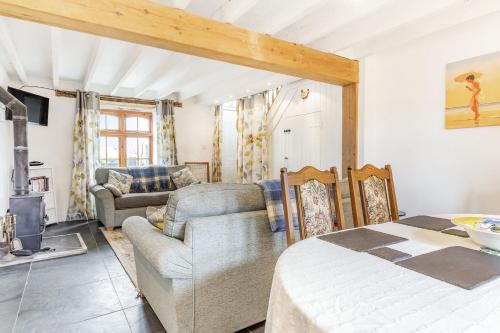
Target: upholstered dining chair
378,197
318,200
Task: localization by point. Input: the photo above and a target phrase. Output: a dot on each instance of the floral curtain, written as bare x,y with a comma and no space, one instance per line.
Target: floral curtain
85,156
165,129
251,124
217,144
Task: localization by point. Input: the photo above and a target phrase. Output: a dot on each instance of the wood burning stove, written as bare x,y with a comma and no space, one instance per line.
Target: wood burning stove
28,207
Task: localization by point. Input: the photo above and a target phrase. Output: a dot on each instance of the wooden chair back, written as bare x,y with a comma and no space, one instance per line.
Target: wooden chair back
300,180
376,207
200,170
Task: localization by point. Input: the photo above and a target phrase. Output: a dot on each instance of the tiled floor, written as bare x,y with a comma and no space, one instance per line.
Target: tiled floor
85,293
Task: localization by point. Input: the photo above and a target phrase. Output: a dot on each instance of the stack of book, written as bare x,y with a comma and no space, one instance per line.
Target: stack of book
39,184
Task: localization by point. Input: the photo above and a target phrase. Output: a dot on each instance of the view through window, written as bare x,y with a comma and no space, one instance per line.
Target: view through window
126,138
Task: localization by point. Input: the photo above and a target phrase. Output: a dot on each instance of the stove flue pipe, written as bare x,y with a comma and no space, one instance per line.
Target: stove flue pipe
20,119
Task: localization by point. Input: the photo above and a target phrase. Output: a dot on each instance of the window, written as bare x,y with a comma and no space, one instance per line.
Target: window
126,138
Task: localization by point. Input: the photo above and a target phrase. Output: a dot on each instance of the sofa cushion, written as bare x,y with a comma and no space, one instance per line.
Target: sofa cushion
121,181
102,174
137,200
150,179
183,178
113,189
209,200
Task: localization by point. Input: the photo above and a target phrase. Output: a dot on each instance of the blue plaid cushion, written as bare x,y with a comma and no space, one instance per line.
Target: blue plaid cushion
150,179
274,204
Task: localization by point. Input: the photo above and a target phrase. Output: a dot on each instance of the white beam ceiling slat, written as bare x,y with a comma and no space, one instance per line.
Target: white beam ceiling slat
233,10
124,72
454,15
290,13
4,77
226,74
6,41
386,18
55,40
172,70
93,63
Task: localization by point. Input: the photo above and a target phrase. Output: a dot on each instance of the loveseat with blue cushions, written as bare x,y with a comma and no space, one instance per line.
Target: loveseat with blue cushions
151,186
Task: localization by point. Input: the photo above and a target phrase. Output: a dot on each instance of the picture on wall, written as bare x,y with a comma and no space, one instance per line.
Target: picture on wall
473,92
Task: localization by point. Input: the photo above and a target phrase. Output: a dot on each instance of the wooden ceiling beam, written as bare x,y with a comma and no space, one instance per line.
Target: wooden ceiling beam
151,24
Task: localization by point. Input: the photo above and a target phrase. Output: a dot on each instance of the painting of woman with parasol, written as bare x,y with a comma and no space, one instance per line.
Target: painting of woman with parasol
473,92
474,87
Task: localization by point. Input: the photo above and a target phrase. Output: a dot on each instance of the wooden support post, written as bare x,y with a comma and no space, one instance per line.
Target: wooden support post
349,127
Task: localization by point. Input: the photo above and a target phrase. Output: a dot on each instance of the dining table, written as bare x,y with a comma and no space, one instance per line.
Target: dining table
319,286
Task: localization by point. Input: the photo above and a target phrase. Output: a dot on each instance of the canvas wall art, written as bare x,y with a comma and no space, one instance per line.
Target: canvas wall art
473,92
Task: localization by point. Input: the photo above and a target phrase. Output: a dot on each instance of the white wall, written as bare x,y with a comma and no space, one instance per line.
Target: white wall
194,133
436,170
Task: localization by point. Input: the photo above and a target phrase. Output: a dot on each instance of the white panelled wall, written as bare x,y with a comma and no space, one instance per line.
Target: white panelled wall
306,131
436,170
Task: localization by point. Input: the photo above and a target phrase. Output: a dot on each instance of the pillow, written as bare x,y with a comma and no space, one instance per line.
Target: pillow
156,216
115,190
149,179
121,181
183,178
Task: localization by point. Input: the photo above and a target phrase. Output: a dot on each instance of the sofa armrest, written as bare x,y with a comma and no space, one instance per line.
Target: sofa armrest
102,194
105,204
169,256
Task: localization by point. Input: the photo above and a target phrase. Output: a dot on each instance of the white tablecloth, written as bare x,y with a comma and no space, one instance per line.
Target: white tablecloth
322,287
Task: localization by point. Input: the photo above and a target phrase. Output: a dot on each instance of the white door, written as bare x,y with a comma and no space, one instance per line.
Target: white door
301,141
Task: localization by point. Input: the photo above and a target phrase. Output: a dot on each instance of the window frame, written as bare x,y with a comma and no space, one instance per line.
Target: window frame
122,134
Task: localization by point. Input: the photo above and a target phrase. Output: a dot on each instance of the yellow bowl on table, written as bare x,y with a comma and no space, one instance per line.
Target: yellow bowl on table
483,231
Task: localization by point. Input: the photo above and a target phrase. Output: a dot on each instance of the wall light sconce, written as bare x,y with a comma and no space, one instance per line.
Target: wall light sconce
304,93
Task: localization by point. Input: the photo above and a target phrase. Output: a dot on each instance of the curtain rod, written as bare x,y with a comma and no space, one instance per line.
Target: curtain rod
67,93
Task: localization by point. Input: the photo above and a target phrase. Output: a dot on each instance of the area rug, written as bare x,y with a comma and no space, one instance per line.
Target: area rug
123,250
60,246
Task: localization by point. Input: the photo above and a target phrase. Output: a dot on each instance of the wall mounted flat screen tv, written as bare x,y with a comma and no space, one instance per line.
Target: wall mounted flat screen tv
38,106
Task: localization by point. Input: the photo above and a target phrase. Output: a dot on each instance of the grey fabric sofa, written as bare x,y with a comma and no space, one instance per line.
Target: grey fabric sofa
113,211
211,268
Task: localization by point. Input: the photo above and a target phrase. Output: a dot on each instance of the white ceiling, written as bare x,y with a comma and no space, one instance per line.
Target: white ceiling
353,28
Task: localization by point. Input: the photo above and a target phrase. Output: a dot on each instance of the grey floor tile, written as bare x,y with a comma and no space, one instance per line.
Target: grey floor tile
54,307
142,319
126,291
67,228
111,323
105,250
13,280
113,266
67,272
